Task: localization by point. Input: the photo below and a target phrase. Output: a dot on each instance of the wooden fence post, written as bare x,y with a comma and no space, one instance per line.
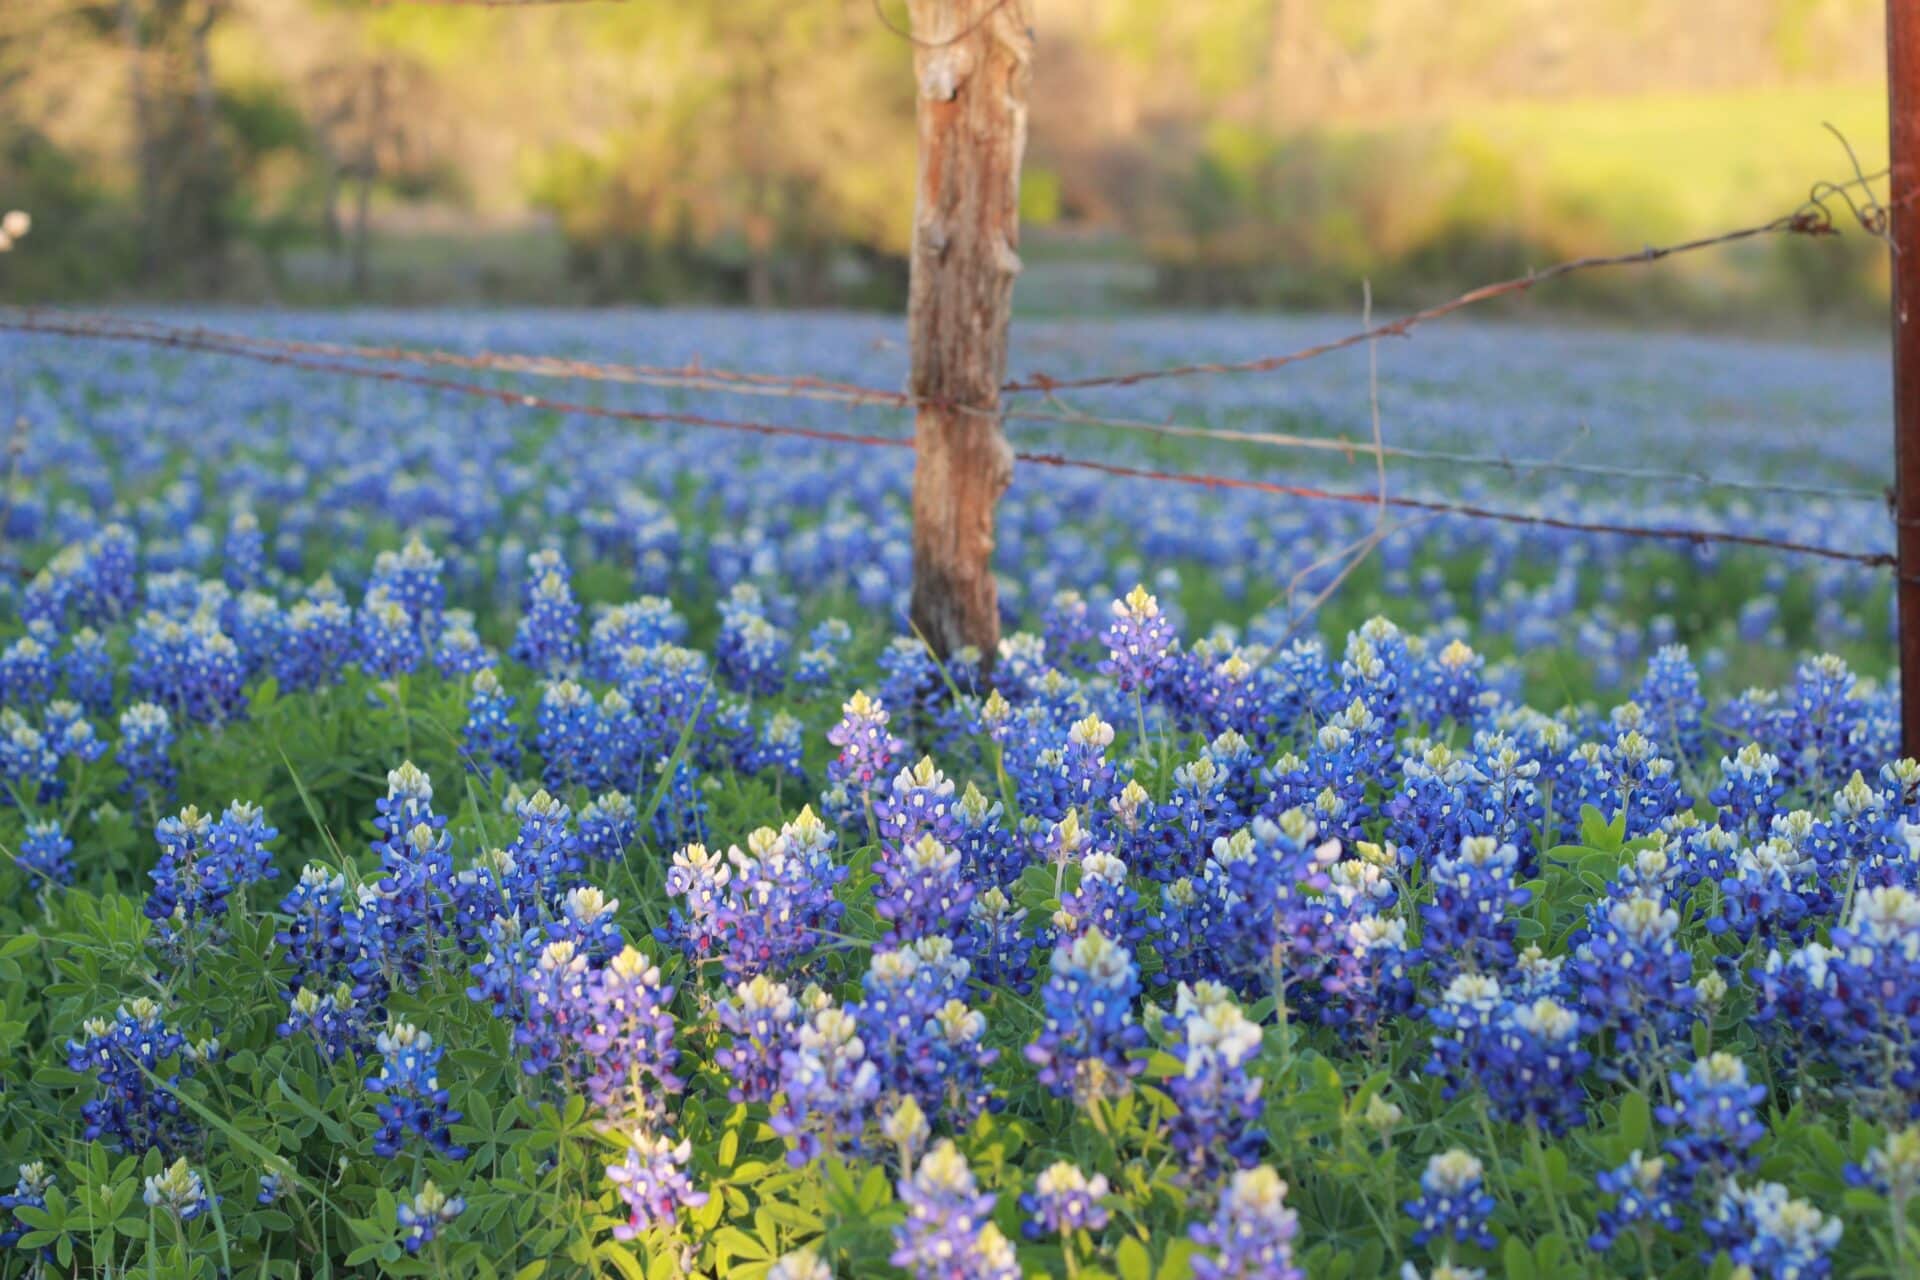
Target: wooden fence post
972,64
1903,141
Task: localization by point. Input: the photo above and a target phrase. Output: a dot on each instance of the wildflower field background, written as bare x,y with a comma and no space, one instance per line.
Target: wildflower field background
447,839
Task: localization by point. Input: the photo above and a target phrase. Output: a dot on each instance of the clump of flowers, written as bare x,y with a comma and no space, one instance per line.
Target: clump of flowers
1453,1202
1251,1233
426,1216
412,1102
651,1182
1064,1200
1140,641
1088,1044
948,1231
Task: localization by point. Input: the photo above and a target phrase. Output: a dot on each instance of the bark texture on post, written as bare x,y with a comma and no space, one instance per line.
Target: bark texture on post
973,62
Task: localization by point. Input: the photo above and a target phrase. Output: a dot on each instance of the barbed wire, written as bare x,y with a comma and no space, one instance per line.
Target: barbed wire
918,42
522,400
1812,218
698,377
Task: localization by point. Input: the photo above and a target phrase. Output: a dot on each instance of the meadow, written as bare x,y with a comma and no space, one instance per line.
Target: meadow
447,838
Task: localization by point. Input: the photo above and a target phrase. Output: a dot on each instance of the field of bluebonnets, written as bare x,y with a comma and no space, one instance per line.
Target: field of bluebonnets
443,838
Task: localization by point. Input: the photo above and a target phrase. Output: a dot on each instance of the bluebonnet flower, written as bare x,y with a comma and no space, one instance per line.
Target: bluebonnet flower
1216,1120
779,902
1853,1004
29,761
547,639
317,638
1089,1040
1644,1199
628,1037
652,1183
412,1102
1140,641
867,753
490,740
1064,1200
922,892
801,1264
1467,922
997,942
422,1220
609,826
819,663
202,862
27,672
270,1189
924,1041
1780,1238
258,627
390,643
459,651
751,653
1714,1110
1251,1233
699,878
177,1190
1771,889
1670,696
1891,1169
638,624
245,554
1434,807
919,802
1101,899
763,1018
410,578
1635,978
337,1022
45,854
1199,812
1749,792
1816,733
949,1233
1269,928
1453,1204
1449,685
565,734
1067,628
828,1085
553,1008
29,1192
88,670
130,1108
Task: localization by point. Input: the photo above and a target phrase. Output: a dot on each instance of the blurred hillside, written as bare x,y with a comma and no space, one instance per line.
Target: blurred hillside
1199,151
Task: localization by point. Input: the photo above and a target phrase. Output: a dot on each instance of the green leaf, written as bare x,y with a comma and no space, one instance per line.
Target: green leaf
1518,1259
1636,1122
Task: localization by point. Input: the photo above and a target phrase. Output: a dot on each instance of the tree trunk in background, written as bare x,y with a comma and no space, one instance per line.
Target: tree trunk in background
145,164
373,122
206,160
973,63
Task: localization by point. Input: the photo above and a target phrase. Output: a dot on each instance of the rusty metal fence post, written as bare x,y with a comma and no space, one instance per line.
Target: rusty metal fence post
1903,140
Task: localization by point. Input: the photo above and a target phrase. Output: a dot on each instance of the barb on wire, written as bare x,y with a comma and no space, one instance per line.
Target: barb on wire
20,323
695,376
1813,218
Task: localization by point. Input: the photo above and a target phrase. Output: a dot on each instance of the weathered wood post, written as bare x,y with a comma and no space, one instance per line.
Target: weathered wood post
1903,141
973,62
